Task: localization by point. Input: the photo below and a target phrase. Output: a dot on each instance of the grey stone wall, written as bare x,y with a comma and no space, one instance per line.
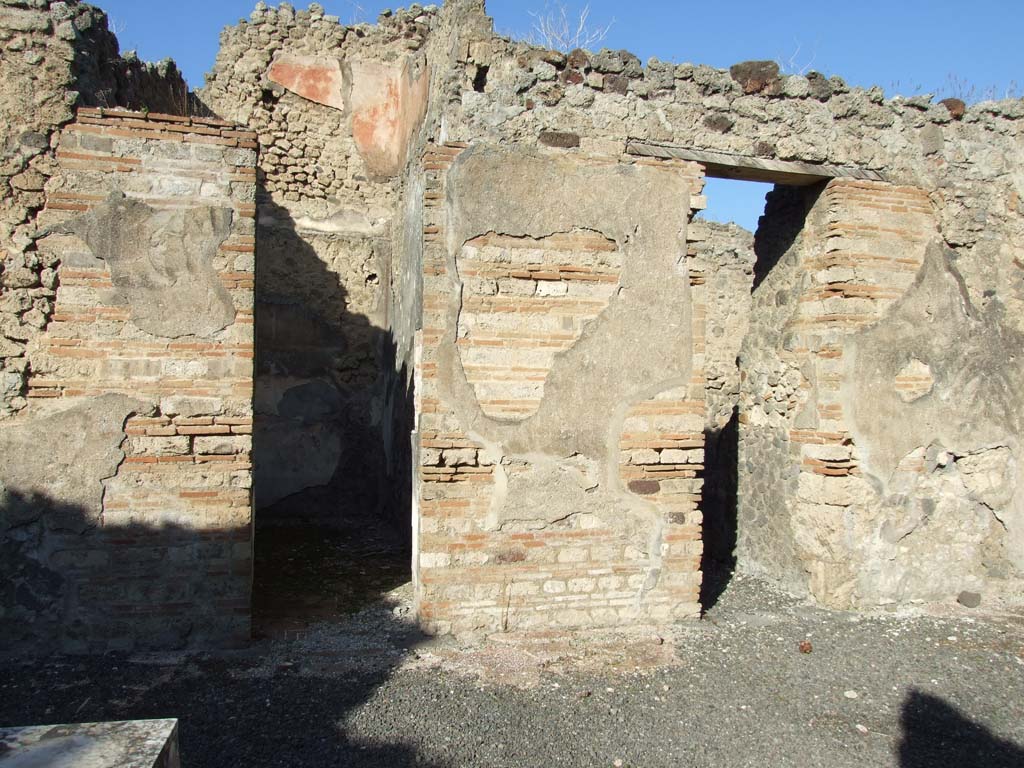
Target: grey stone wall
969,163
723,255
766,493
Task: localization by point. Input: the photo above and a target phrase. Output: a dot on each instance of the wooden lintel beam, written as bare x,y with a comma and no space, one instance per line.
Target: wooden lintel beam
748,168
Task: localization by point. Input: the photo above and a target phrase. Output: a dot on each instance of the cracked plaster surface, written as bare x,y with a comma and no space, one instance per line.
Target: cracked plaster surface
161,263
638,347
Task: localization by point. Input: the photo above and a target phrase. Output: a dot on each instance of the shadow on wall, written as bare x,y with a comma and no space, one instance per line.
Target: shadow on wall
936,734
718,559
785,215
69,583
282,706
73,583
332,413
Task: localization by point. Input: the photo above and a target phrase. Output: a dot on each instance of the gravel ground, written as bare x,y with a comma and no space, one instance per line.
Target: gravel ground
732,690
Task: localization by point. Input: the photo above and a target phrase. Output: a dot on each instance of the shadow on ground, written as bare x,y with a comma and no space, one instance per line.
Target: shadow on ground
307,575
936,734
227,718
340,633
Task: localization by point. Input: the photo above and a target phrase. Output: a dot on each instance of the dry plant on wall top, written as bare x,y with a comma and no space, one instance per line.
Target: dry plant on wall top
357,13
971,93
563,29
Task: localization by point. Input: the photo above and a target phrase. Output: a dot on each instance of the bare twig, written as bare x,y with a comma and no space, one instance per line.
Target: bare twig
792,66
358,15
561,29
116,26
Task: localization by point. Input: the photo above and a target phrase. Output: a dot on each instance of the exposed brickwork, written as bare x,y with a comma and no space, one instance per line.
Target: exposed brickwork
525,301
576,359
863,251
873,247
170,563
954,180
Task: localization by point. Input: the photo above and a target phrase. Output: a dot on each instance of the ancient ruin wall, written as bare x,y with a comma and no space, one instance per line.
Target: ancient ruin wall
127,478
863,367
960,171
486,90
722,257
968,162
561,393
342,115
370,220
57,55
336,110
125,343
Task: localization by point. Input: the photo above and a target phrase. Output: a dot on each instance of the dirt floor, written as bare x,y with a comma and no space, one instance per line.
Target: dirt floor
341,676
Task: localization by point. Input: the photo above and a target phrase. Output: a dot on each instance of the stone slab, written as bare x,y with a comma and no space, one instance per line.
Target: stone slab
724,165
126,744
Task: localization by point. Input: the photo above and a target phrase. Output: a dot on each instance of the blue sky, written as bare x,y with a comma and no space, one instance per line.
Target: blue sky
946,47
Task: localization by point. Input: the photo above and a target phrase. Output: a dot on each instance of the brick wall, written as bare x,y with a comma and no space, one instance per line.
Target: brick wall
863,248
150,222
526,302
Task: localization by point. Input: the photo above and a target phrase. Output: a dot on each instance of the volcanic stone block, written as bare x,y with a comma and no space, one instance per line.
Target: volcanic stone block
755,76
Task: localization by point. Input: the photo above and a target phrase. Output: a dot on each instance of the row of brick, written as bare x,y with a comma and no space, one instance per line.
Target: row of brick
163,127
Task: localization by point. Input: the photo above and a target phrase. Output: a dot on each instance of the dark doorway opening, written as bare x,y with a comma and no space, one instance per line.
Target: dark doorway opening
306,575
718,563
332,424
736,261
724,250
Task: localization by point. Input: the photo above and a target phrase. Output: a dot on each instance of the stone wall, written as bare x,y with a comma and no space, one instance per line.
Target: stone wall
126,245
460,242
869,368
722,256
126,479
958,170
487,91
967,161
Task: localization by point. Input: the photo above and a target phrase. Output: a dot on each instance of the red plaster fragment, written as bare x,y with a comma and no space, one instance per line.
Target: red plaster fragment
315,78
388,106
